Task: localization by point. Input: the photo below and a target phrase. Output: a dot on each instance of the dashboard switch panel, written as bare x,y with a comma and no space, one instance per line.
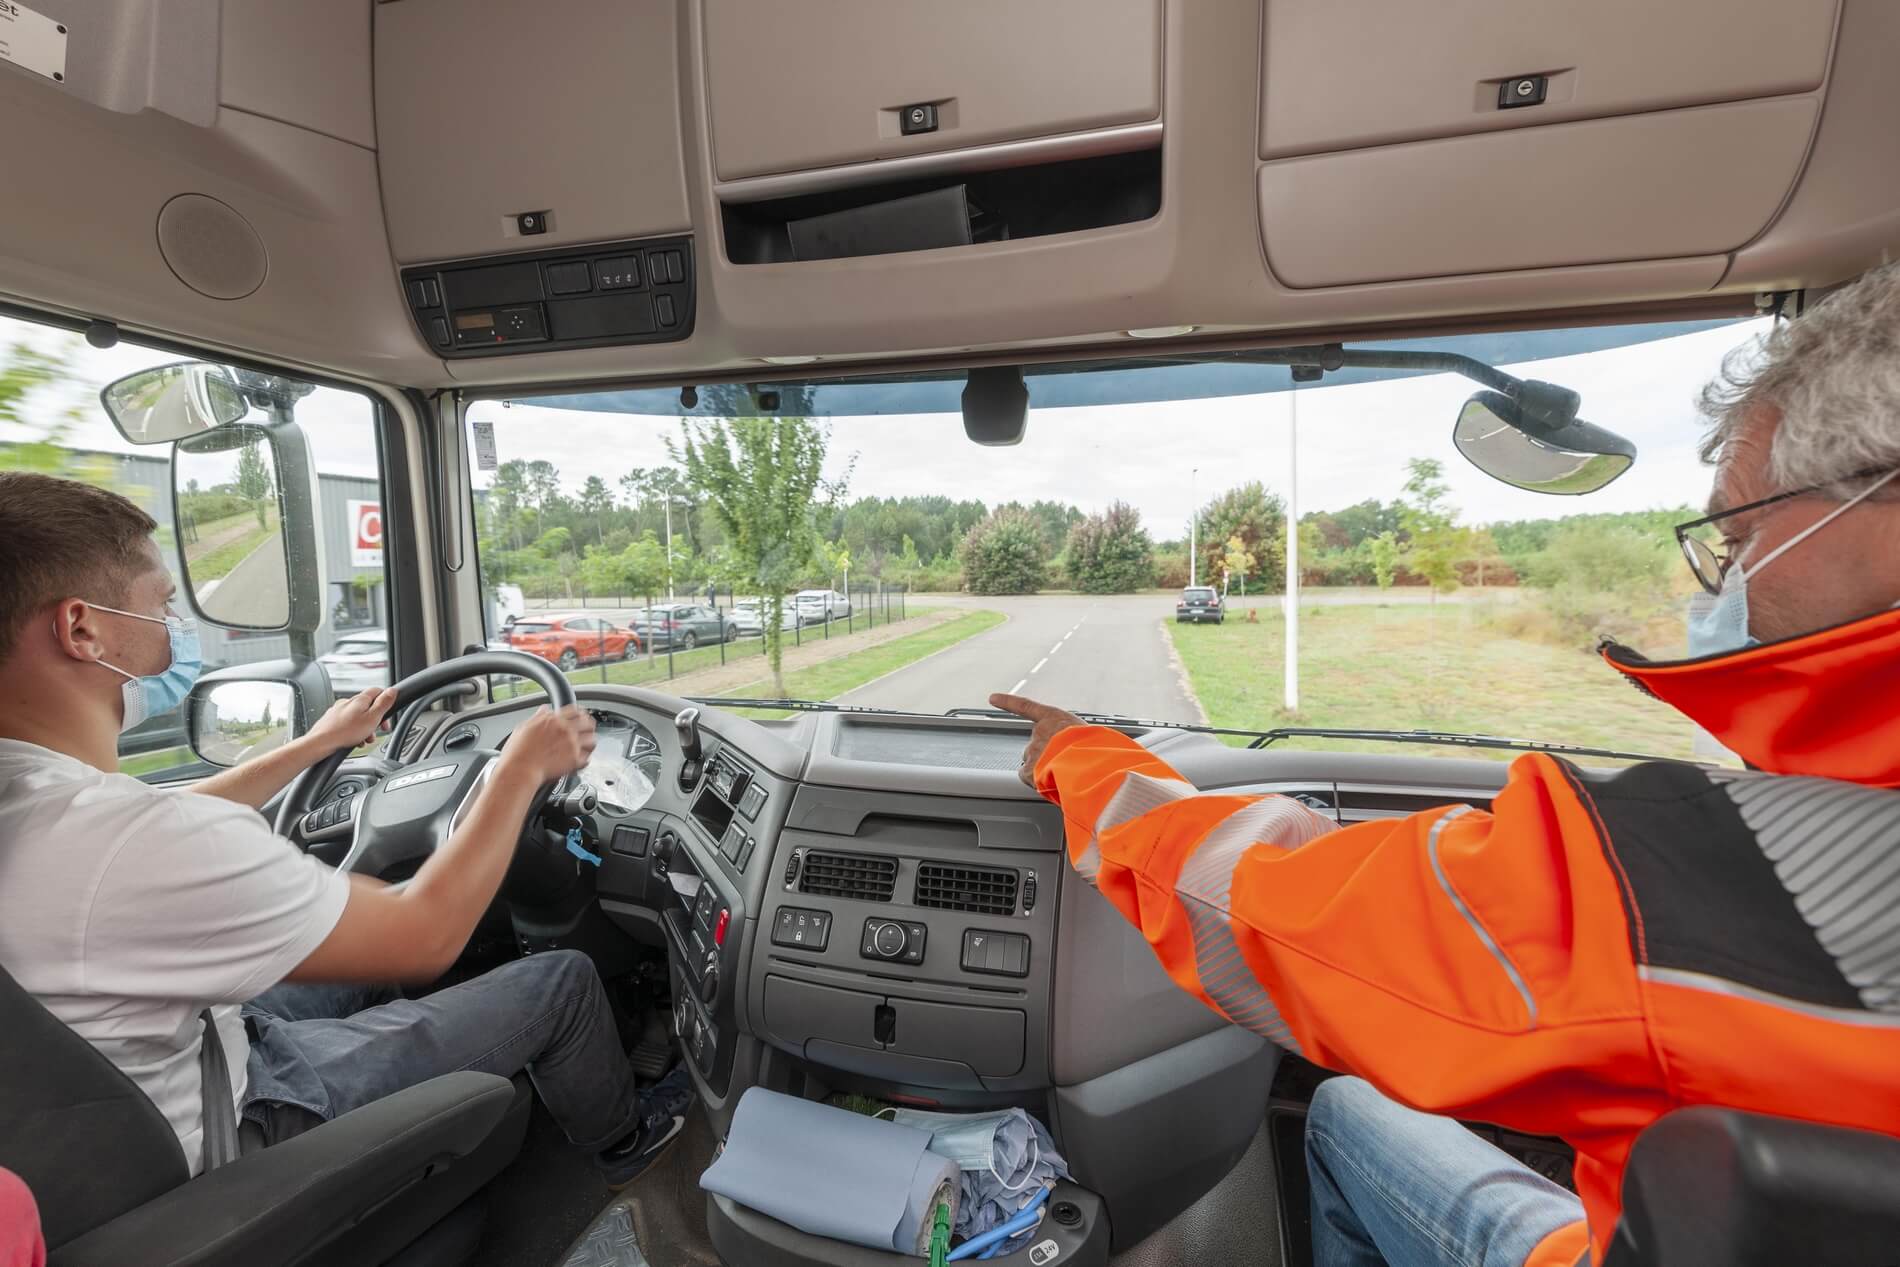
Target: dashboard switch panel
995,954
894,941
800,929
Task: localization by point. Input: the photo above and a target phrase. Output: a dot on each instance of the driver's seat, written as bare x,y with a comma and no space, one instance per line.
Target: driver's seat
391,1182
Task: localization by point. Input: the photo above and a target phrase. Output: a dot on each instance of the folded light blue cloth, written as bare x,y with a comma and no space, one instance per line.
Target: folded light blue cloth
832,1172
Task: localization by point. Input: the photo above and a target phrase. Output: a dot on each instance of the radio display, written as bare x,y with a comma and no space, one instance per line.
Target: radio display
474,321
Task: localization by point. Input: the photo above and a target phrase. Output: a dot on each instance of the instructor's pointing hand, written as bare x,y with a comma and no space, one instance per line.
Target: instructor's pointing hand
1049,721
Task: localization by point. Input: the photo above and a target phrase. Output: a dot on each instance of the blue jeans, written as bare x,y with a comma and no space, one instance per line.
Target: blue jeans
318,1051
1393,1187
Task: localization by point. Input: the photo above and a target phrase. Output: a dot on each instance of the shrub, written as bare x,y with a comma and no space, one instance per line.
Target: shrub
1002,554
1602,579
1110,553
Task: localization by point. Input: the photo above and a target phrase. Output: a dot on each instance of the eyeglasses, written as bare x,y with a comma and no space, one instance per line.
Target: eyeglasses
1710,567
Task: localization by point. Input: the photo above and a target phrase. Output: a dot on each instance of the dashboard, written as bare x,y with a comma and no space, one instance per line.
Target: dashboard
875,903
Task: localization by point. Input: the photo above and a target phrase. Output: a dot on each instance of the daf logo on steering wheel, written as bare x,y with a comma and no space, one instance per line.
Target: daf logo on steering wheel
418,776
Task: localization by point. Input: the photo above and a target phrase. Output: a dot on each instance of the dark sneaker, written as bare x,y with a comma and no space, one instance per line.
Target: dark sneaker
664,1106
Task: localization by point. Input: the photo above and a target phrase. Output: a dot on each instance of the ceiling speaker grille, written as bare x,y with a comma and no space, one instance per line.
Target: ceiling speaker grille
210,247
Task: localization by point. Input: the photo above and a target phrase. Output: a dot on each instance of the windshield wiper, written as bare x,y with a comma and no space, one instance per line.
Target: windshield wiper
1267,738
1260,739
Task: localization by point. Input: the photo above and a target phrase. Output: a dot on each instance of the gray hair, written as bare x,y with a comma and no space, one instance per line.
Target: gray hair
1834,375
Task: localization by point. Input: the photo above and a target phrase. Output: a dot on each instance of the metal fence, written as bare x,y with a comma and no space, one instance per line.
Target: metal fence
629,639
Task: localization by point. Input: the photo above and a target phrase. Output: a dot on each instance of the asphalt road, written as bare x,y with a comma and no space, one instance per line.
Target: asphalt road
254,592
1098,654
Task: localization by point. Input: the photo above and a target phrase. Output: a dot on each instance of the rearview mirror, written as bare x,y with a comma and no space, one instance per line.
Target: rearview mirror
173,402
228,512
1528,452
231,722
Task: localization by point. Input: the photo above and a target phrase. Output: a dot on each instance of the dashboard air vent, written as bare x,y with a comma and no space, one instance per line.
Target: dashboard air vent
984,890
854,875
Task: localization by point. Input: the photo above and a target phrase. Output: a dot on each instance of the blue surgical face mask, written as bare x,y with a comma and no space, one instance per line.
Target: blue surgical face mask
156,694
1723,625
977,1141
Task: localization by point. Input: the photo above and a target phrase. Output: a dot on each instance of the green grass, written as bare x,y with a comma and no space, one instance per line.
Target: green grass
216,563
846,673
642,672
1407,667
153,762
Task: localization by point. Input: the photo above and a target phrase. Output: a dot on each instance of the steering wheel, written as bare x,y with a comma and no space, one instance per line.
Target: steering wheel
403,816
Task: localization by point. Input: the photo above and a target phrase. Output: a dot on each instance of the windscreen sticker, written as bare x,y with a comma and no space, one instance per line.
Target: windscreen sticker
484,436
32,40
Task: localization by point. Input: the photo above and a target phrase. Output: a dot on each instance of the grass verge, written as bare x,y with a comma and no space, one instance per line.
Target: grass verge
1408,667
217,563
846,673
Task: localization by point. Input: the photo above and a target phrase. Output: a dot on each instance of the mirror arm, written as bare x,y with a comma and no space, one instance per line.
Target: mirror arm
1546,402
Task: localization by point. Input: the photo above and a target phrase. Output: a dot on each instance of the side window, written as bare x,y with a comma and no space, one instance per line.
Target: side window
283,492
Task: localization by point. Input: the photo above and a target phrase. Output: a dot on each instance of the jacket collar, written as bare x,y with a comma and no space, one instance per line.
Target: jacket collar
1825,703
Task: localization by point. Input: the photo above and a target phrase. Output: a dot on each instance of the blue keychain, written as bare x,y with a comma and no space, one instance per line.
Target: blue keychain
575,847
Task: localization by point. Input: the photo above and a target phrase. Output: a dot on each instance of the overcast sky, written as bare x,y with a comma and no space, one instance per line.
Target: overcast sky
1353,440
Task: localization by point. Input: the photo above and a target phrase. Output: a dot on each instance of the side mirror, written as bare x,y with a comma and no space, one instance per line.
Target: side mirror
173,402
228,512
1536,449
231,722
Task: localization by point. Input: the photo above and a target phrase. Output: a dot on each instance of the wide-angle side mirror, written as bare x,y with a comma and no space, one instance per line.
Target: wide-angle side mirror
231,722
228,512
1538,450
173,402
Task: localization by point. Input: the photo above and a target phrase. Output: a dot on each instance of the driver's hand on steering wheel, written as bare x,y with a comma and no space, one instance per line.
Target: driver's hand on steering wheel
351,722
550,745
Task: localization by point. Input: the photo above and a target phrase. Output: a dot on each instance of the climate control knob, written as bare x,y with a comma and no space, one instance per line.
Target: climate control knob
888,940
709,980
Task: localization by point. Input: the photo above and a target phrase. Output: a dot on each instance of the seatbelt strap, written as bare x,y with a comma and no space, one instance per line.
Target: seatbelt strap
220,1110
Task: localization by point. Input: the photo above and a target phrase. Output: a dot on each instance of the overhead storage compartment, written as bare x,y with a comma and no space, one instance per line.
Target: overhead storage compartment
489,109
1652,186
1425,70
789,91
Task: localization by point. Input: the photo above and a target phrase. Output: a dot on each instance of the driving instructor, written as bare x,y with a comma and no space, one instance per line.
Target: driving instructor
128,910
1598,947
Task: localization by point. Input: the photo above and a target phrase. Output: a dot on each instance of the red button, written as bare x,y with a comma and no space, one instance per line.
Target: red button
719,926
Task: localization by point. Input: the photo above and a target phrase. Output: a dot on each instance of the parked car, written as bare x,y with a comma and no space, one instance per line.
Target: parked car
684,625
748,615
1200,603
359,661
818,606
571,640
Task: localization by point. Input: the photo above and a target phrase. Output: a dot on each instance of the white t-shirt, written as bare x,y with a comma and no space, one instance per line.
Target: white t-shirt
126,909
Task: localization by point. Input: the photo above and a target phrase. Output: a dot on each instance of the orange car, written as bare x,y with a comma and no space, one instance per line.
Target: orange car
572,640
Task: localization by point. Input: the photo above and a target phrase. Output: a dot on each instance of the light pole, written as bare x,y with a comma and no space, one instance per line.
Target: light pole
1194,522
669,547
1292,692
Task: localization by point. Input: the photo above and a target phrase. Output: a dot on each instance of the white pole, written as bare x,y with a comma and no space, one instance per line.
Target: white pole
669,547
1293,552
1194,520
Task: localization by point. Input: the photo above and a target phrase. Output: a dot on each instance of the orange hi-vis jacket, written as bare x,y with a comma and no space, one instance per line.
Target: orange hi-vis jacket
1595,950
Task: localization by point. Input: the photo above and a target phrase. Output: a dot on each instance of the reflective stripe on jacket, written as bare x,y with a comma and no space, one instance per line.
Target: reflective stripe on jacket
1595,950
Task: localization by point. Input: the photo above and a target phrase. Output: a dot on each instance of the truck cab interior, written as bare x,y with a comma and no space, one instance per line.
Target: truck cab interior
379,218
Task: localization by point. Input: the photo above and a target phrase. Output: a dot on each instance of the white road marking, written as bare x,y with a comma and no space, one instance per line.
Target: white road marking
1054,649
1019,686
1038,668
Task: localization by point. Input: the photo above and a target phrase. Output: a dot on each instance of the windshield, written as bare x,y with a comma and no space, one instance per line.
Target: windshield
893,563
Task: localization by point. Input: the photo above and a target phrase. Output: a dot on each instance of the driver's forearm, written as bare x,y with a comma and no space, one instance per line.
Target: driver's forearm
463,875
262,776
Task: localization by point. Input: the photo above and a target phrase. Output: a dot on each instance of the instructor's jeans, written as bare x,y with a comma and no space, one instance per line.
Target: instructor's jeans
1392,1186
318,1051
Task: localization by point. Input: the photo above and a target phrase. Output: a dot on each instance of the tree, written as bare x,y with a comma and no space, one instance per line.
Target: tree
1258,518
1435,541
1384,549
1004,553
764,481
253,480
543,490
1110,553
595,500
1238,561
